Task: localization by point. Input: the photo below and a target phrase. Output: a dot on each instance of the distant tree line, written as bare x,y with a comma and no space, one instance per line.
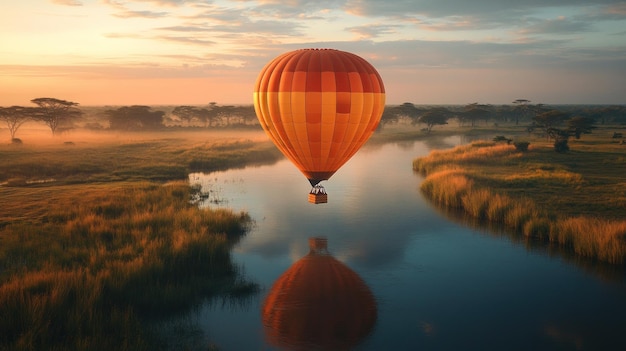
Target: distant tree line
558,123
520,111
213,115
555,122
138,117
61,115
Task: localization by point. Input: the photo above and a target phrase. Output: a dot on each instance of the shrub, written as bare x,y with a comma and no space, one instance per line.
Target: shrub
502,138
560,145
521,146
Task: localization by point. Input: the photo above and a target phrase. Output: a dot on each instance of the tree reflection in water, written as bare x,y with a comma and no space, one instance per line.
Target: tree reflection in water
318,303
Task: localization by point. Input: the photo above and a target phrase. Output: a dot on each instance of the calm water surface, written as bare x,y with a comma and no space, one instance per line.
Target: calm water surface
397,274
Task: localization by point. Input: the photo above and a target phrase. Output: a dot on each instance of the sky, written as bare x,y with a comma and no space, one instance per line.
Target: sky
175,52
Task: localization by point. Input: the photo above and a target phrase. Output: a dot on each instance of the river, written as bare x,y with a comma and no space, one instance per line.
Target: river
379,268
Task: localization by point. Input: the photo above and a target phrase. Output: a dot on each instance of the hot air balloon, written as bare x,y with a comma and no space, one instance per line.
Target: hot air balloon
319,106
318,304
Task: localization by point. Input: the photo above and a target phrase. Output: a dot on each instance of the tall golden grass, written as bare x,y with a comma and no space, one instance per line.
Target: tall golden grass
99,265
496,183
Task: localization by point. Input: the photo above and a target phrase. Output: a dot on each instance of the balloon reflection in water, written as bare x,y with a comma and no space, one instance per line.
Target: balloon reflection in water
318,303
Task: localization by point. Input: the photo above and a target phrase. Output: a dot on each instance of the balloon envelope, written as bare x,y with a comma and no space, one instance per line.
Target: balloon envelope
319,106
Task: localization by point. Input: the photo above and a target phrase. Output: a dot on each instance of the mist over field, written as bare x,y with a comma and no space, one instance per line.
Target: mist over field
34,135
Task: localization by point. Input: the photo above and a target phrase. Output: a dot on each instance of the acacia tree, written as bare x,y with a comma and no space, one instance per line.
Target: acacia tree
475,112
247,114
56,113
548,121
434,117
410,111
522,107
580,125
186,113
223,113
390,116
15,116
135,117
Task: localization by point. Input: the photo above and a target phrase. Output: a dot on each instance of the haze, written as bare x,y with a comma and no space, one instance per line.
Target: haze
111,52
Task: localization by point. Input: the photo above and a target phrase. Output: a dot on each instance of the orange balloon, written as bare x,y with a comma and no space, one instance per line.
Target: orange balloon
319,106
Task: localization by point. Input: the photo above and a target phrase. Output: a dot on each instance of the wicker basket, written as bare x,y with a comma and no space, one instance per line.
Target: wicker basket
318,198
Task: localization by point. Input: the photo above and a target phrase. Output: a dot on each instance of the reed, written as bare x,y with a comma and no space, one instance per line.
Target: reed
476,202
497,207
592,237
537,226
520,213
447,187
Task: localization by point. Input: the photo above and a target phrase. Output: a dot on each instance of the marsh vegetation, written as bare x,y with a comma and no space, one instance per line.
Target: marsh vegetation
575,199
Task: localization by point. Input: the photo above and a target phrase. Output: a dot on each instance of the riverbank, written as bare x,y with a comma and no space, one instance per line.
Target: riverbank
575,199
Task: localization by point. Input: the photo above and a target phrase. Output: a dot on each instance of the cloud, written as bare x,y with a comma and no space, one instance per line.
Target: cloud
615,12
171,38
114,3
186,40
453,15
373,30
140,14
229,20
458,23
577,36
560,25
115,35
124,12
170,2
67,2
445,8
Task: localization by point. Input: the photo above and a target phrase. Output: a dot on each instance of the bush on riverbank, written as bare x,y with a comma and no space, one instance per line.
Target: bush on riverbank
535,194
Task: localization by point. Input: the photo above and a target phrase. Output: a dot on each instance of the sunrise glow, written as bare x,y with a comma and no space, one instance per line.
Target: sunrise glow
99,52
